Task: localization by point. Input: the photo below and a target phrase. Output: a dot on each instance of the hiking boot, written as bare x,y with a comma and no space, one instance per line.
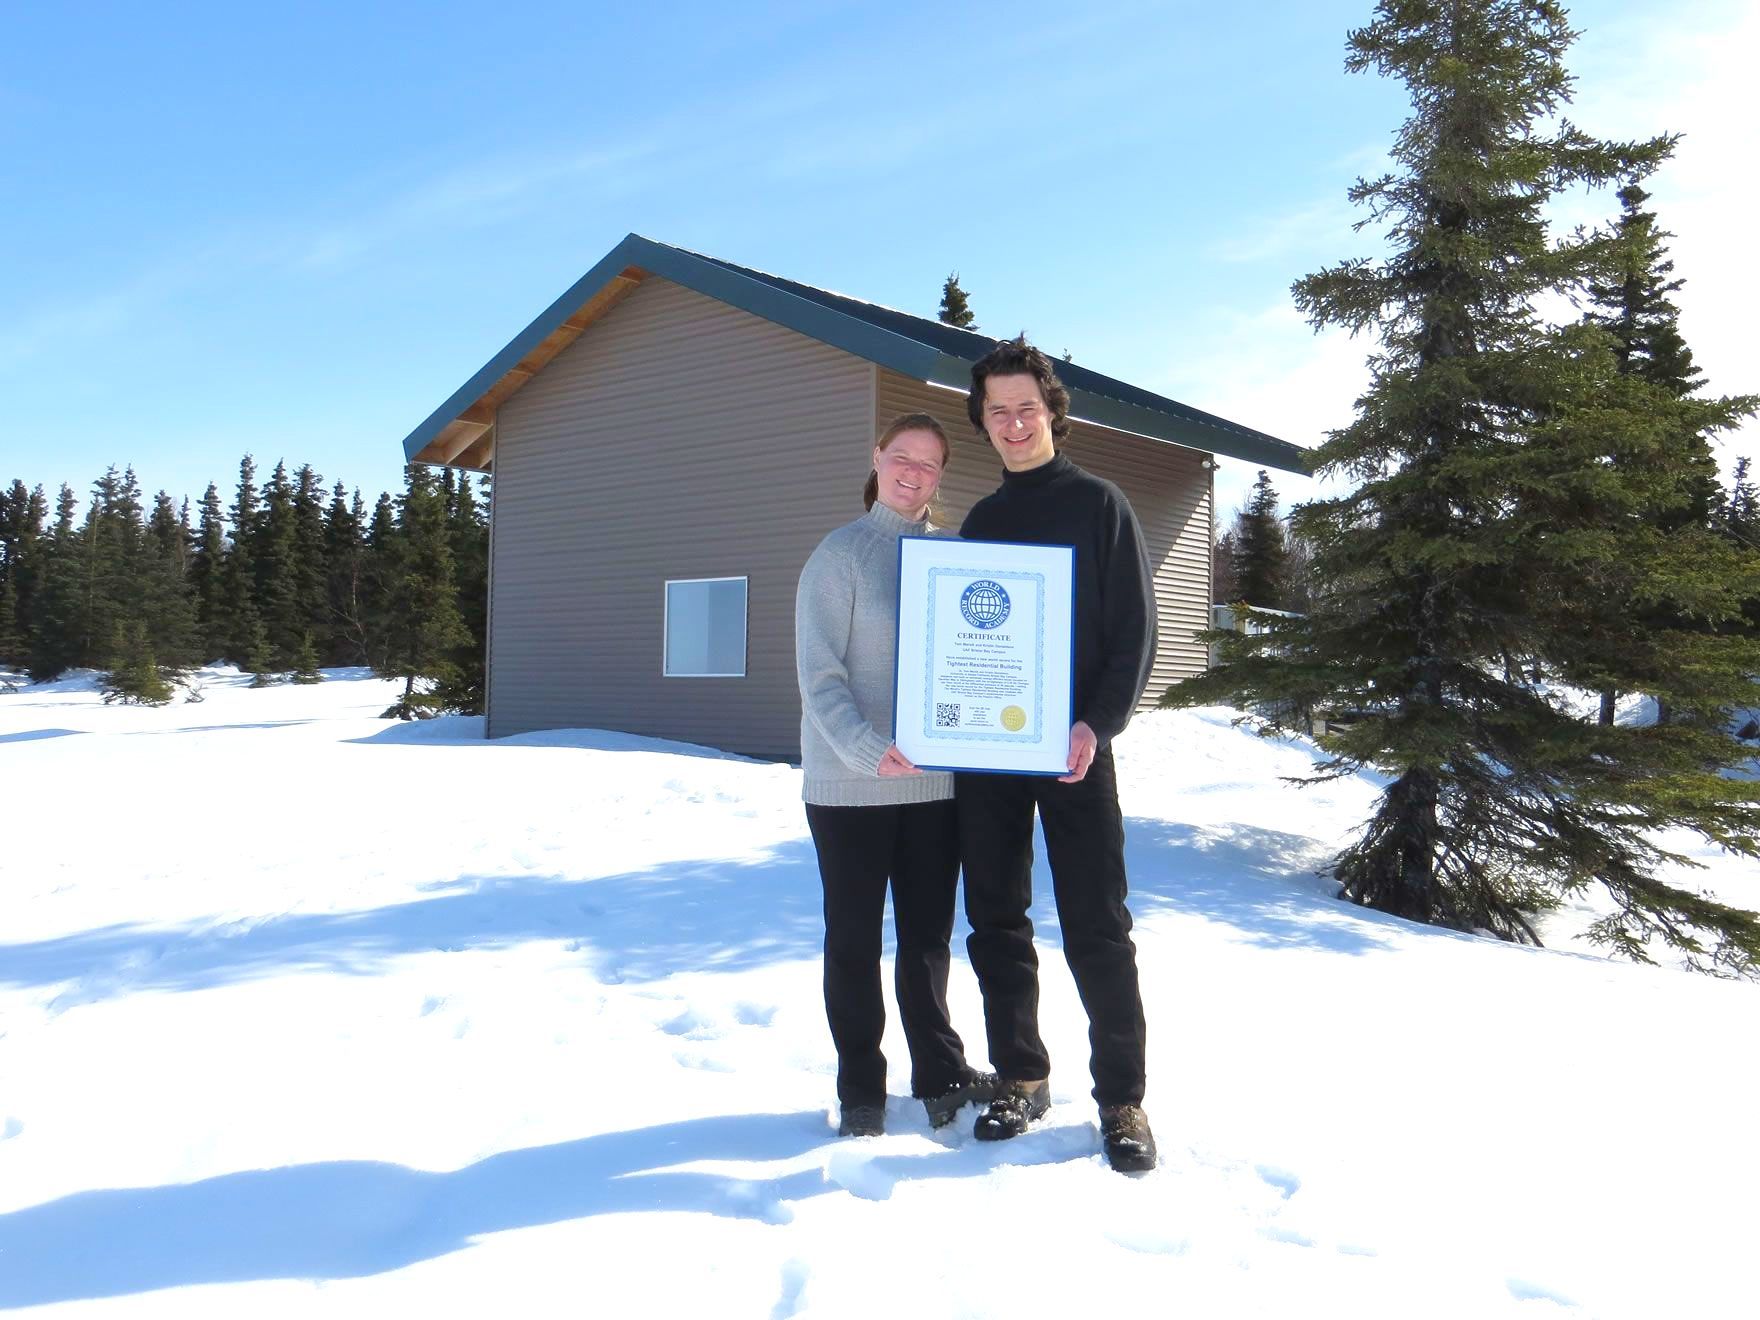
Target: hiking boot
1126,1139
862,1121
1016,1105
976,1088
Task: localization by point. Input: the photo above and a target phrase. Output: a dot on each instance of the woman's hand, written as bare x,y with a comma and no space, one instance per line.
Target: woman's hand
896,763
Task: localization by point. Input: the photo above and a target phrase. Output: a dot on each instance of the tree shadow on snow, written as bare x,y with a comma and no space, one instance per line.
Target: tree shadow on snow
714,914
1262,882
349,1219
699,915
37,735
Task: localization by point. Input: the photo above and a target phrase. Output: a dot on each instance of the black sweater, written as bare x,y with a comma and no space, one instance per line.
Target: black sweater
1058,503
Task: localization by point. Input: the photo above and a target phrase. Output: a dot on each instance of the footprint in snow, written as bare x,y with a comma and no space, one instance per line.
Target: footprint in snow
795,1274
1283,1180
754,1015
1148,1240
691,1025
432,1003
756,1201
1278,1233
701,1062
857,1172
11,1128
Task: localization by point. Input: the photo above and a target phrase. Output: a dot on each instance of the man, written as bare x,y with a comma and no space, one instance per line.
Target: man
1018,403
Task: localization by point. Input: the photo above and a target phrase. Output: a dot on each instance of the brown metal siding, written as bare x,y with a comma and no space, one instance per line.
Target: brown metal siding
1169,487
676,438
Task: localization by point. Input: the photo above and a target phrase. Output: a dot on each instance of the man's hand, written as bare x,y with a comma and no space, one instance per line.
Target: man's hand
1083,744
896,762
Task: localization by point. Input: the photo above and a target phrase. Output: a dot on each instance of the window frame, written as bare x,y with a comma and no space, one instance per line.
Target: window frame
745,632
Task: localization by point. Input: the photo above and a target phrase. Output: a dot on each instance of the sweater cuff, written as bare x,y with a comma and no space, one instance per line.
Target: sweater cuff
865,755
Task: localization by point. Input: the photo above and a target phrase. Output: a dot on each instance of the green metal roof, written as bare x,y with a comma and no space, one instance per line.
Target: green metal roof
914,346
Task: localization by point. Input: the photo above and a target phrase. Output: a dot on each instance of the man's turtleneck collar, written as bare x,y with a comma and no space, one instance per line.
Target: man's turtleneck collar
890,520
1042,475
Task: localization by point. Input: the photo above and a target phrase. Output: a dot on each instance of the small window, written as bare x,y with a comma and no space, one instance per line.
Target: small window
705,628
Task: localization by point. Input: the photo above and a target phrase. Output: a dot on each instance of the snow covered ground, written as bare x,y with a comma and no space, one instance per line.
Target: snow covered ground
304,1013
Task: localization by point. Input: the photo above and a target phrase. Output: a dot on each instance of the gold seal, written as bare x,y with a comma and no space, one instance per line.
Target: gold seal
1014,719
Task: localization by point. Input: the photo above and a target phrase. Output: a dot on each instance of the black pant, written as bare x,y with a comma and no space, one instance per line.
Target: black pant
1084,836
860,848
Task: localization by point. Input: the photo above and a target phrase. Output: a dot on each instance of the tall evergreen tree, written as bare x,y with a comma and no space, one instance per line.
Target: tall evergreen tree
955,308
12,639
277,565
343,639
1261,550
311,587
207,580
423,625
242,618
1631,303
55,628
1489,448
381,563
164,607
1225,578
467,531
21,549
110,587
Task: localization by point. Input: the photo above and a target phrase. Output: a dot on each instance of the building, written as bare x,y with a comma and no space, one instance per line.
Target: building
672,437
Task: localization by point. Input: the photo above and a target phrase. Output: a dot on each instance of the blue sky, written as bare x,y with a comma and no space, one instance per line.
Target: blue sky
294,230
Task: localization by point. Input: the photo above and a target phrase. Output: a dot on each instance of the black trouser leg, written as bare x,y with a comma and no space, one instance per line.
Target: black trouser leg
855,848
925,878
996,847
860,848
1084,842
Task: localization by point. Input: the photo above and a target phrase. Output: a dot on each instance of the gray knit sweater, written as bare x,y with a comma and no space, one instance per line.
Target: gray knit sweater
845,631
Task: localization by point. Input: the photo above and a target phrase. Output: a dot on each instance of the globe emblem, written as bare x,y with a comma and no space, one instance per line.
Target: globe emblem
984,604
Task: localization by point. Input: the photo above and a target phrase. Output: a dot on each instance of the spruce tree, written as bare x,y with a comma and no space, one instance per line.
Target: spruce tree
1224,577
1261,552
468,538
1489,448
207,580
277,565
344,637
1631,303
240,613
135,677
305,663
259,656
955,309
21,550
12,641
164,605
381,562
54,636
311,587
423,628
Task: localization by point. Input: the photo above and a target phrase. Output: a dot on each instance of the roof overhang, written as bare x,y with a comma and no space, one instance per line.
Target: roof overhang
460,432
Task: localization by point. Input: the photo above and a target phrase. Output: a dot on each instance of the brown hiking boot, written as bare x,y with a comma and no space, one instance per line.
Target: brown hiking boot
974,1088
1016,1105
1126,1139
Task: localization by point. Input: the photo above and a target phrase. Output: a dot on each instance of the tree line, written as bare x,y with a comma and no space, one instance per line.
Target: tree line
1533,507
288,578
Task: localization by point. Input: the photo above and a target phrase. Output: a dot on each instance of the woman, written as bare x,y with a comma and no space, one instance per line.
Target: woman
875,817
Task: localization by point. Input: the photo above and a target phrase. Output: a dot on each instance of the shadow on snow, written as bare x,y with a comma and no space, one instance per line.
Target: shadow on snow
349,1219
697,915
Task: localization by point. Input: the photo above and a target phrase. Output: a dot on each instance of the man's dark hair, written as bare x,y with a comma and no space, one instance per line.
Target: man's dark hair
1016,357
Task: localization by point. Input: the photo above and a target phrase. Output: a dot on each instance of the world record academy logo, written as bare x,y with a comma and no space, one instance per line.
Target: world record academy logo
984,604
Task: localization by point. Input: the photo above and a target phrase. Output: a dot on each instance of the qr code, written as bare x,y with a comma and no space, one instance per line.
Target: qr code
947,714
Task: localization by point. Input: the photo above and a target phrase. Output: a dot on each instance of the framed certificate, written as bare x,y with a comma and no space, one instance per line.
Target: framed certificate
985,664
